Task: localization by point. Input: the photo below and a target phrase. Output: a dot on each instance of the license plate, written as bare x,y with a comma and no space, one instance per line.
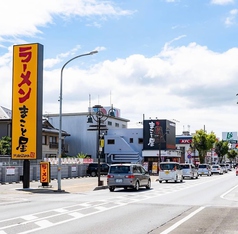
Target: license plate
166,172
202,172
118,180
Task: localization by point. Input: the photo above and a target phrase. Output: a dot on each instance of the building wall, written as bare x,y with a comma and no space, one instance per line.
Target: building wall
5,129
81,140
127,145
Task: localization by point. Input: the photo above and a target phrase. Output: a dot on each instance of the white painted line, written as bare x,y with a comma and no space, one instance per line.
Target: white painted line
61,210
101,208
224,194
182,221
2,232
85,204
44,223
76,215
28,217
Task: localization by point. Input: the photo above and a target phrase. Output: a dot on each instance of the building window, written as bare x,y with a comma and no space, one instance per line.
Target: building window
140,140
50,155
123,126
116,124
53,139
109,123
44,140
53,142
131,140
110,141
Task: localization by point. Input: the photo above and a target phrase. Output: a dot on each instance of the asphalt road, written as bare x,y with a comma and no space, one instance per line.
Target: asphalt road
204,205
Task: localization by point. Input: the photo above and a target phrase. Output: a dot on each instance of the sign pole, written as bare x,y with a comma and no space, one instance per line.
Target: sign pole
26,173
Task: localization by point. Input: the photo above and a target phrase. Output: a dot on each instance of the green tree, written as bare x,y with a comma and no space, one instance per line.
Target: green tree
232,154
5,145
203,142
221,148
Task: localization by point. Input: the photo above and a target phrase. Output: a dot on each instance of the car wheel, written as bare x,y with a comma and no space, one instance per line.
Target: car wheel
148,186
181,181
160,181
93,173
111,188
137,186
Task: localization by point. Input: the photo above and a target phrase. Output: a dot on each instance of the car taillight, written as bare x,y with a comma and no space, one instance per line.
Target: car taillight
110,176
129,176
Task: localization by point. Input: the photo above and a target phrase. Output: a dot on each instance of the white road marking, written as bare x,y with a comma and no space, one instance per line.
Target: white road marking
61,210
182,221
76,215
101,208
44,223
224,194
117,201
29,217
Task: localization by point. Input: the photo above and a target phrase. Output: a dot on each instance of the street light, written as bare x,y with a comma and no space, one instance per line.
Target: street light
60,116
99,118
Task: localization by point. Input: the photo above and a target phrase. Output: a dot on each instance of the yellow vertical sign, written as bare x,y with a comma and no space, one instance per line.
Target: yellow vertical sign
25,108
44,172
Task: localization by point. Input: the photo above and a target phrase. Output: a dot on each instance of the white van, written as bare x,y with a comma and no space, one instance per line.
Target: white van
170,171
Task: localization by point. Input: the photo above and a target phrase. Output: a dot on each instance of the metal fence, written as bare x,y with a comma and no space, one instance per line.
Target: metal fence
12,173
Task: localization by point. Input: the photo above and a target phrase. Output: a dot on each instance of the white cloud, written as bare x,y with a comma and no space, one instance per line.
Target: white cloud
190,83
222,2
231,19
26,21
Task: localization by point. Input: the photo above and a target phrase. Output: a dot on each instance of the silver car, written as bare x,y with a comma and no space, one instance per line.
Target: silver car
189,170
204,169
128,176
217,169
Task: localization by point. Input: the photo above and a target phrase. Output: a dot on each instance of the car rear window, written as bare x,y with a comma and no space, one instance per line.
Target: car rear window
171,166
184,166
202,166
119,169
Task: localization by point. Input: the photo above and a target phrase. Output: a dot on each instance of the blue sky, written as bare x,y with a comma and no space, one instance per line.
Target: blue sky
170,59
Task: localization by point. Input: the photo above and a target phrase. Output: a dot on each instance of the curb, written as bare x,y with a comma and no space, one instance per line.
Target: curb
100,187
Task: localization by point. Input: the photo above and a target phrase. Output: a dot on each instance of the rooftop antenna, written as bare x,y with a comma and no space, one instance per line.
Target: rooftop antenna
89,108
110,98
90,119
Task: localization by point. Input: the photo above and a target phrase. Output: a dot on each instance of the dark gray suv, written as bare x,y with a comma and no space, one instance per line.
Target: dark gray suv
92,169
128,176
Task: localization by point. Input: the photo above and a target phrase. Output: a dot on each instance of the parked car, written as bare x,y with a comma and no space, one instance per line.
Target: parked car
92,169
224,167
204,169
229,166
217,169
170,171
128,176
189,170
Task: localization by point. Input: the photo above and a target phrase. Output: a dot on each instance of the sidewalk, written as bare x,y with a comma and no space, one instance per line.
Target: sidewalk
74,185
